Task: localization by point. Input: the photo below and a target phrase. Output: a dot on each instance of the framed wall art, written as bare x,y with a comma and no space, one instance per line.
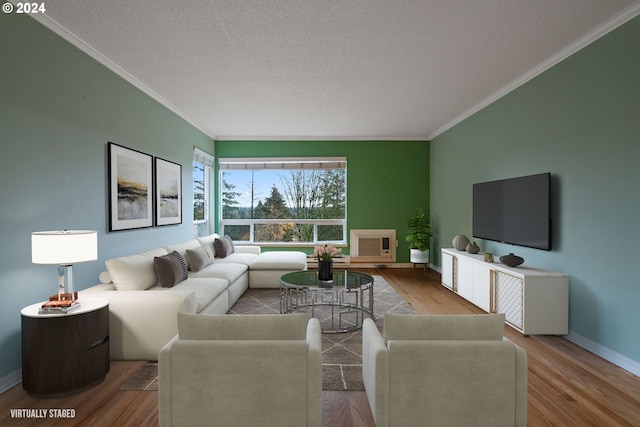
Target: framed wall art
168,192
130,188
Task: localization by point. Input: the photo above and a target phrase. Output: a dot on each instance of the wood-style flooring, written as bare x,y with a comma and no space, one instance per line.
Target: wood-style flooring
568,386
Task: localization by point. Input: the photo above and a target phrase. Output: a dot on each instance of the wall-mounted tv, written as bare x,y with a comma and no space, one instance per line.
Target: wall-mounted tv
515,211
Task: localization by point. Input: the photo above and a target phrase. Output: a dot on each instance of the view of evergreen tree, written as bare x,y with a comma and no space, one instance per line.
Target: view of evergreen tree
230,203
275,206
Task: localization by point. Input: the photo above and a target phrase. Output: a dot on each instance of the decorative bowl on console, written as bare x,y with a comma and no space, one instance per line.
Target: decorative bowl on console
511,260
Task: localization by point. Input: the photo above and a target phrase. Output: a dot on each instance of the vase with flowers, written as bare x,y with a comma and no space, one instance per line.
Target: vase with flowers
324,255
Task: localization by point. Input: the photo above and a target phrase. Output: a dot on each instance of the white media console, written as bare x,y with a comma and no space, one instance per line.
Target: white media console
534,301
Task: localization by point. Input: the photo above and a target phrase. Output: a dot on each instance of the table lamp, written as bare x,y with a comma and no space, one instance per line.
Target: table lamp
64,248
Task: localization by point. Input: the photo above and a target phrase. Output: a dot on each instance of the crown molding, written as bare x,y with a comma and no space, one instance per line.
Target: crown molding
321,138
610,25
76,41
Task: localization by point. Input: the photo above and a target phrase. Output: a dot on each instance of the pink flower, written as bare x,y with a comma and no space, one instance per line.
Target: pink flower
326,252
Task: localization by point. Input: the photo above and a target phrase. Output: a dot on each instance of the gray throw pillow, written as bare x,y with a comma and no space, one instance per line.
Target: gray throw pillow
223,246
171,269
199,258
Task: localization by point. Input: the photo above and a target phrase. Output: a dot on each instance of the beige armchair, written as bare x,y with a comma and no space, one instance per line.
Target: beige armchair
444,371
232,370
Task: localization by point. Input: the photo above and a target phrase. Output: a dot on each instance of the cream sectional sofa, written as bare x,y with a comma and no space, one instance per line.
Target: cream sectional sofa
143,314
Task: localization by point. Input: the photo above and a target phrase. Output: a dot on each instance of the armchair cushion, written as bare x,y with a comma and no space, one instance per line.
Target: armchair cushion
443,327
472,383
235,383
242,327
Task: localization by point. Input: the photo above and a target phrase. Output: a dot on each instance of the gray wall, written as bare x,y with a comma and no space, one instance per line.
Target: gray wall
580,121
58,110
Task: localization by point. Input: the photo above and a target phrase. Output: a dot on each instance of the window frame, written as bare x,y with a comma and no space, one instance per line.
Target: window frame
207,161
283,163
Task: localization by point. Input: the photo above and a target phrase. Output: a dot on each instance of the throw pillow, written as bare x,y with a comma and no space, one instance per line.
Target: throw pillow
484,327
199,258
223,246
171,269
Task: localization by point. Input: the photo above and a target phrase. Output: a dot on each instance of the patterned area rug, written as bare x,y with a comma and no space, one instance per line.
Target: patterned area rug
341,352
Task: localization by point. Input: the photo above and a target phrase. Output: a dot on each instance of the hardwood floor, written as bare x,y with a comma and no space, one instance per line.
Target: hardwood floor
568,386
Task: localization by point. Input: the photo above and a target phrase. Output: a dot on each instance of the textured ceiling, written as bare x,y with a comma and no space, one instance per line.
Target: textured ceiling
351,69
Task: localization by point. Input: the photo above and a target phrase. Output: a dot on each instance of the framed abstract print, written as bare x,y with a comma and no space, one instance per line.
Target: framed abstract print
130,188
168,196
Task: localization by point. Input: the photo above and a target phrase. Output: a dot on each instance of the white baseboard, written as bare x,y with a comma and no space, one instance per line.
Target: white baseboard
377,265
10,380
617,359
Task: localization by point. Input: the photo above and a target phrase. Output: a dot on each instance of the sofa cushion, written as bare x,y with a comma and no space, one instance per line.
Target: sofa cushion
238,258
443,327
208,241
280,260
182,248
171,269
242,327
105,277
199,258
221,270
206,290
224,246
134,272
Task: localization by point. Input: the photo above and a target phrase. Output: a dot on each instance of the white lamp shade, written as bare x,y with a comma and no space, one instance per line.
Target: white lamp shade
64,247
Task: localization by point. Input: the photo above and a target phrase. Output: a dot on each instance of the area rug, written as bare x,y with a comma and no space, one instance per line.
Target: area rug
341,352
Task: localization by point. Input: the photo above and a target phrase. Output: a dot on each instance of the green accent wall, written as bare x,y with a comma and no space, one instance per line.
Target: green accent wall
580,120
58,110
386,180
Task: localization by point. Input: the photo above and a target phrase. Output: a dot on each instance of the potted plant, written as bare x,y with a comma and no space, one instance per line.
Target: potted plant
419,237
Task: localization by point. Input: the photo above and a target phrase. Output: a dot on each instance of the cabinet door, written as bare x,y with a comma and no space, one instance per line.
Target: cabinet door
448,270
481,286
509,298
464,284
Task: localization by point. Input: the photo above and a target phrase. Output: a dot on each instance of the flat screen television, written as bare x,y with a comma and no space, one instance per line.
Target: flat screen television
515,211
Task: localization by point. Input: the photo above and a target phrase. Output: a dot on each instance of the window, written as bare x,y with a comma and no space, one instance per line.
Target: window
294,201
202,163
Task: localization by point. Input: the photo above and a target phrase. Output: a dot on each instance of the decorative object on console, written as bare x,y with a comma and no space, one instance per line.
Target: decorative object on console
472,248
325,255
130,184
488,257
64,248
460,242
168,192
511,260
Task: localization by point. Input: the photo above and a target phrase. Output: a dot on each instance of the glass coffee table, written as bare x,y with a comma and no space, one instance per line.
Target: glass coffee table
346,295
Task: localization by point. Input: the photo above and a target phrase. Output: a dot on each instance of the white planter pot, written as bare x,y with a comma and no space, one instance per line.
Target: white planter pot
419,257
